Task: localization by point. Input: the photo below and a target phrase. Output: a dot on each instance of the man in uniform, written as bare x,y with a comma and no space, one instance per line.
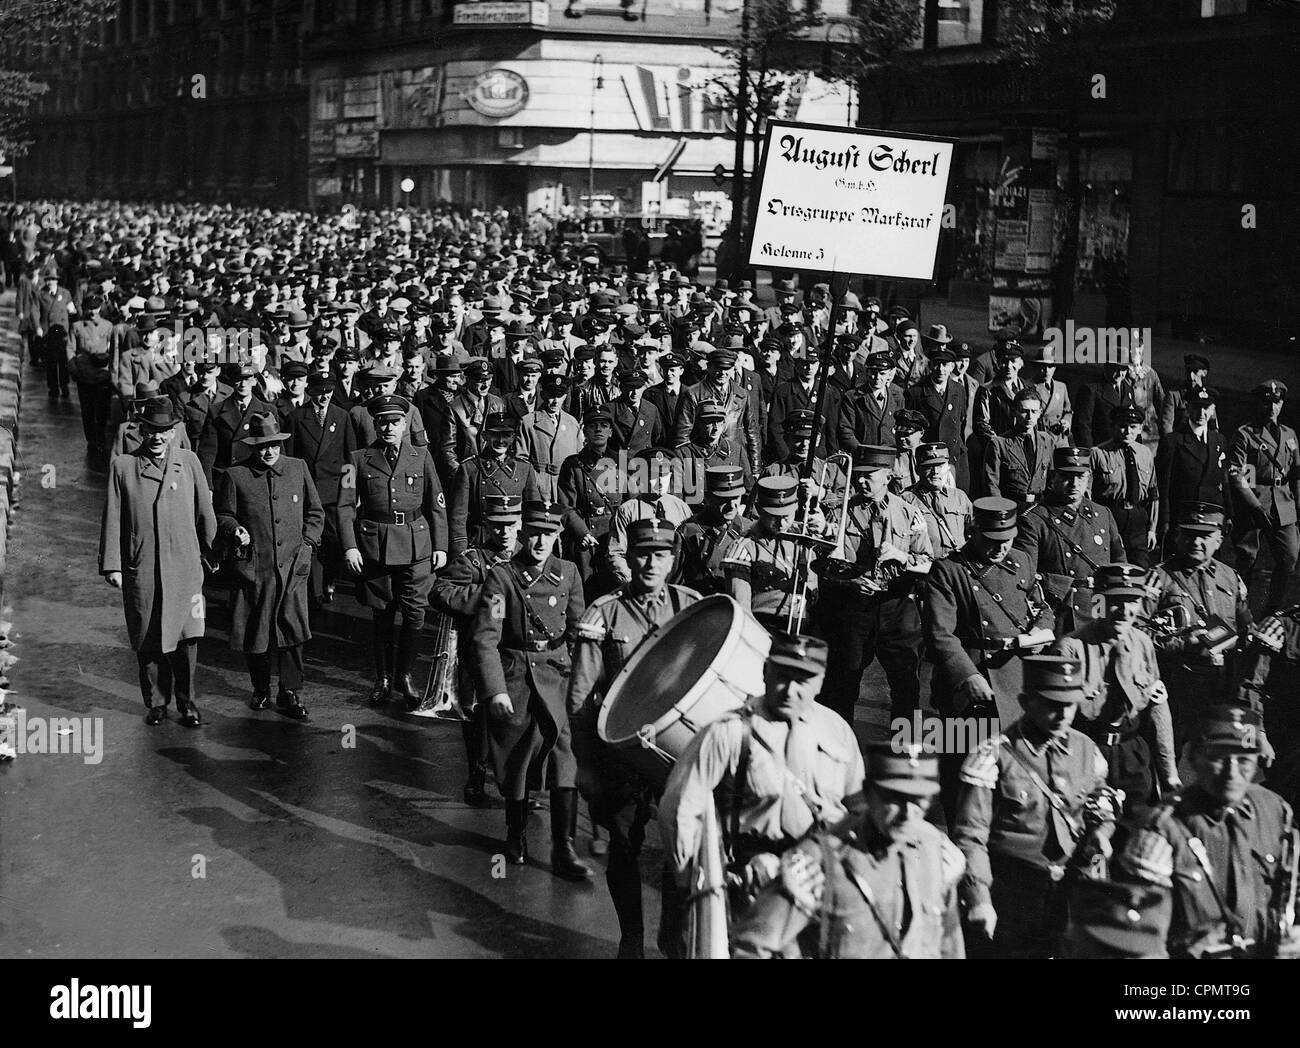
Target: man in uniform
944,506
1034,808
708,536
709,444
593,487
984,611
741,425
868,600
321,435
610,631
881,884
1175,413
1125,707
1219,845
651,498
393,529
456,592
270,515
778,767
765,571
1197,655
1124,481
1191,466
462,438
527,616
157,525
381,381
1264,465
825,486
1068,537
495,470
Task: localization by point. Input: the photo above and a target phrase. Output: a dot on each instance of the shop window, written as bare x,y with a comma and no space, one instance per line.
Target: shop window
959,22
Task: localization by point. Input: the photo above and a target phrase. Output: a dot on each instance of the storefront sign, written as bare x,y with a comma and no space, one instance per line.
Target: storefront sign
497,93
502,12
850,201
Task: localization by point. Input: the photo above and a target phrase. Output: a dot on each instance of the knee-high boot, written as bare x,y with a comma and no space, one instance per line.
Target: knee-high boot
516,832
404,689
564,827
381,640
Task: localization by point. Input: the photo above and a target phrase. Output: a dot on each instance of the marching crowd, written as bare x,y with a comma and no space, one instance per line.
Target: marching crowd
554,456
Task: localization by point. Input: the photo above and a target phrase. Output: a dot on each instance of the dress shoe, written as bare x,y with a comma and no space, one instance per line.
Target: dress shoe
191,718
259,702
327,594
287,703
156,715
379,693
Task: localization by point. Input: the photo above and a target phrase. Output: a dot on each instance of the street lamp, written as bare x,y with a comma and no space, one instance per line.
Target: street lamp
597,82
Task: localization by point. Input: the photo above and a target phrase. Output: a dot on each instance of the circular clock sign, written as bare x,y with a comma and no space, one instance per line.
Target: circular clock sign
497,93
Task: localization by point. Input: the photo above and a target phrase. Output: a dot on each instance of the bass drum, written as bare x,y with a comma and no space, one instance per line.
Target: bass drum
704,662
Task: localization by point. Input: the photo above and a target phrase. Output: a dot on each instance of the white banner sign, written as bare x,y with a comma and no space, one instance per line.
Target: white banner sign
850,200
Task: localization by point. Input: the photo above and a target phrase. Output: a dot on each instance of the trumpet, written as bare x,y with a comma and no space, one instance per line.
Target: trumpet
439,701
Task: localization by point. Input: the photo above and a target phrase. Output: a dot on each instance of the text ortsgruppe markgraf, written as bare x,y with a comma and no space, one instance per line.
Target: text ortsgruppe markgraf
817,184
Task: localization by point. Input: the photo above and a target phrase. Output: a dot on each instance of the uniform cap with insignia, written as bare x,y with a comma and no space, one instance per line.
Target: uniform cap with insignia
543,516
598,413
1120,580
1009,348
552,358
796,654
1054,678
530,365
881,360
499,422
650,534
294,369
908,421
478,367
388,404
1230,728
868,457
1071,460
631,379
1200,516
1274,390
798,423
1201,396
1127,414
246,370
1196,362
1109,919
902,769
995,518
263,428
722,358
709,410
502,509
777,496
932,454
318,383
553,384
345,353
724,481
671,360
584,352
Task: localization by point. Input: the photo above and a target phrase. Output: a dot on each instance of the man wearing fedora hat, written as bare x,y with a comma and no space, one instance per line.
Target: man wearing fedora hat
1034,809
321,435
611,629
219,444
882,882
1125,708
271,520
130,435
792,763
1220,846
1210,601
941,401
157,526
1058,413
393,529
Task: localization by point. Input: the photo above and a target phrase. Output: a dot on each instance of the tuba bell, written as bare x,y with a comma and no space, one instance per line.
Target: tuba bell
439,700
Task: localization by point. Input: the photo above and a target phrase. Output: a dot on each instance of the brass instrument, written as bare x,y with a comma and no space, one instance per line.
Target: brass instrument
804,539
1282,939
439,700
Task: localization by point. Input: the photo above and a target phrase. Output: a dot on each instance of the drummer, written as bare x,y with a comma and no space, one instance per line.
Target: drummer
612,628
796,760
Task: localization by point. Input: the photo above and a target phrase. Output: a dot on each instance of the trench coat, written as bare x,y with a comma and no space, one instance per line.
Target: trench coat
279,507
156,527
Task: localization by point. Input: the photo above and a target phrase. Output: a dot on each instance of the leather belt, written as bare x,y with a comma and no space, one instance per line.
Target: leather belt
1000,644
537,646
396,517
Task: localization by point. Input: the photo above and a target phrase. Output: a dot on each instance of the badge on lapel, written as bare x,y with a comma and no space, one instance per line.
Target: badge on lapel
333,426
293,498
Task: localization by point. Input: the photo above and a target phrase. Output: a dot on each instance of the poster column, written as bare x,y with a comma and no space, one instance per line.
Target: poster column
1024,206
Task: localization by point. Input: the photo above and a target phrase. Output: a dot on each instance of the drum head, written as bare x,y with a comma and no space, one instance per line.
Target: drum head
664,671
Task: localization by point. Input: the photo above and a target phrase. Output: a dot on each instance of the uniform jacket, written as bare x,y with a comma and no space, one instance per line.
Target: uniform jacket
947,516
325,450
480,476
995,408
705,542
545,441
157,525
380,491
1210,591
1109,474
1068,546
1008,473
1003,818
365,433
592,486
912,880
1275,462
279,507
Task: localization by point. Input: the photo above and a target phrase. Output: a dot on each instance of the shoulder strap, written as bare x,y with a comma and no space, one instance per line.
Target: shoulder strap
742,769
1067,542
1076,831
886,930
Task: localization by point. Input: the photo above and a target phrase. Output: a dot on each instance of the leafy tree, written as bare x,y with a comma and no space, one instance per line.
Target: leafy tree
875,52
27,29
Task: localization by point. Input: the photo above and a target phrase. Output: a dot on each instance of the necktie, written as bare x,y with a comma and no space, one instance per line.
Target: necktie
1132,482
1031,449
880,401
1240,892
390,453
